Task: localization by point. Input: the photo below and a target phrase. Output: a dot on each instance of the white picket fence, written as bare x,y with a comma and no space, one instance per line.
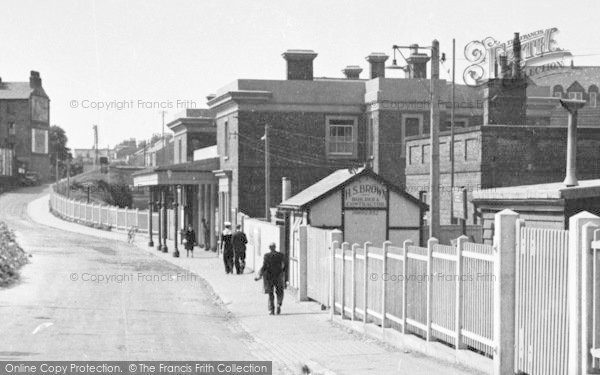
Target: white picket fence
110,216
438,292
531,302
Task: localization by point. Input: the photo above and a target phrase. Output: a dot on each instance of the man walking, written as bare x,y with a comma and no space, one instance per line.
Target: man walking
272,273
227,247
239,249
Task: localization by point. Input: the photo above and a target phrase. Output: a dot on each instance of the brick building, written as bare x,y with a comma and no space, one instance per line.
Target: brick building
24,127
522,141
318,125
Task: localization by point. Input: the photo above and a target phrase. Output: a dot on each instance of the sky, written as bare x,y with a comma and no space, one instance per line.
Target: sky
153,55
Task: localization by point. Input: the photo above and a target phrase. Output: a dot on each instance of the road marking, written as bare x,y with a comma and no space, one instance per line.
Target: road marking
41,326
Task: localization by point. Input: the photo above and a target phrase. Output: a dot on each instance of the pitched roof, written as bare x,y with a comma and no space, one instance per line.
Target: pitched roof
585,75
15,90
320,188
337,179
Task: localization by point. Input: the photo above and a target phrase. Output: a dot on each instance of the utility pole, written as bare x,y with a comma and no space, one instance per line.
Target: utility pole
452,100
434,156
267,174
95,127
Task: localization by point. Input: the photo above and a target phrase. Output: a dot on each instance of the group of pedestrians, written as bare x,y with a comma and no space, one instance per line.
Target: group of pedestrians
233,248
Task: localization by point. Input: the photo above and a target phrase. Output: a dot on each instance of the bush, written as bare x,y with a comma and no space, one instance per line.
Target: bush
12,257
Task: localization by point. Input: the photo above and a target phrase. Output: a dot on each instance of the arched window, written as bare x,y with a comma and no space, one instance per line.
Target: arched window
557,91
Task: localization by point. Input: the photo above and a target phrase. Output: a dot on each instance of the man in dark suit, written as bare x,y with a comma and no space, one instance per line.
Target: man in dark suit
272,273
239,249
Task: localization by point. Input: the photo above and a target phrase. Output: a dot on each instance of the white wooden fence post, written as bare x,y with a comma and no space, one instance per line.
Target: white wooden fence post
353,289
334,246
460,241
505,259
302,264
405,247
429,277
384,278
137,218
345,246
366,283
126,221
576,284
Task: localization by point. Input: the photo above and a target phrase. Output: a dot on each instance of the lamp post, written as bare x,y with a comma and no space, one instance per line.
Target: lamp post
434,147
150,212
176,215
159,208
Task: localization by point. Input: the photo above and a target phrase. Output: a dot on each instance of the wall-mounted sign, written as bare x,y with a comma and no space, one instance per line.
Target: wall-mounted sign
365,192
539,53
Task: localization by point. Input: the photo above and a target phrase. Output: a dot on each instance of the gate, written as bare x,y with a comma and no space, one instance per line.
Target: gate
541,306
317,261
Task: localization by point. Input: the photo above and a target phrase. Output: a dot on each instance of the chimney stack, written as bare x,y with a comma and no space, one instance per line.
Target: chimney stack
504,70
377,64
516,69
35,80
417,63
286,189
352,71
299,64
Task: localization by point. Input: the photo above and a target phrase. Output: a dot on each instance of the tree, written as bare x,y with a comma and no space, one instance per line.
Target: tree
58,147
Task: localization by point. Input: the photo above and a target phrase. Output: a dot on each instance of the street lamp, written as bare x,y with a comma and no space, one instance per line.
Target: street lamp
434,111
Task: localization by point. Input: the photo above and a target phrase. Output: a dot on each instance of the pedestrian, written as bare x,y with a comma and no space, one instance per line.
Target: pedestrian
272,273
239,241
227,247
189,240
206,231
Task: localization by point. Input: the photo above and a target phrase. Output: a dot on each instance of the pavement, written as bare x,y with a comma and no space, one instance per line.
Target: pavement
301,335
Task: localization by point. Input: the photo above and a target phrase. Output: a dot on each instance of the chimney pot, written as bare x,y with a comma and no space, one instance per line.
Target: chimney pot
417,63
299,64
377,64
352,71
34,79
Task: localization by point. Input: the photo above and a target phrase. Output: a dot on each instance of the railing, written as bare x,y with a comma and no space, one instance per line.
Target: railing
438,292
109,216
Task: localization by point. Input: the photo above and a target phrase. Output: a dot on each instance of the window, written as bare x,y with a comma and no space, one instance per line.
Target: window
341,136
179,150
576,95
412,124
39,141
557,91
370,139
11,128
593,99
557,94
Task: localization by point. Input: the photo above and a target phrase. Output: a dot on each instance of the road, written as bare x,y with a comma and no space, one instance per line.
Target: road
144,309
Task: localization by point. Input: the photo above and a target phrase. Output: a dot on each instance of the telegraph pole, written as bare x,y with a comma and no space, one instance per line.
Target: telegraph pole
267,174
434,156
452,130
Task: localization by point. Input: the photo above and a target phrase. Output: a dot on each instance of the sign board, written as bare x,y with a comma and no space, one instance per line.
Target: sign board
365,192
39,141
459,207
